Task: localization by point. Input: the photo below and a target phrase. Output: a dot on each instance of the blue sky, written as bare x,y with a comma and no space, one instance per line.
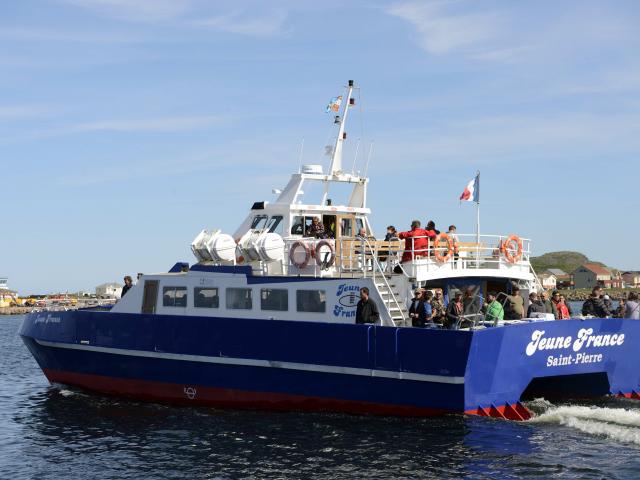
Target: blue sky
128,126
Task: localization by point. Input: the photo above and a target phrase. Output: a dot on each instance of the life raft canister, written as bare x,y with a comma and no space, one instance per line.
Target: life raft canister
511,248
436,253
307,255
332,254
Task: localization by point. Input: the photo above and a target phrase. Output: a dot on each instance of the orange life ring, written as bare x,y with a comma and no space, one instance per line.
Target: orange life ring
508,252
439,257
332,257
307,254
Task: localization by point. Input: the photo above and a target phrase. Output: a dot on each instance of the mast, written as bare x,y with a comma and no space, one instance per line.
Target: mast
336,157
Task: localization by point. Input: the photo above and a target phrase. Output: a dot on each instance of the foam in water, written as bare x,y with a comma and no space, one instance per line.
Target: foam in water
615,423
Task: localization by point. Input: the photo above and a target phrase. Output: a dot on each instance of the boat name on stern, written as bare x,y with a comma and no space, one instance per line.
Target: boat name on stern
585,339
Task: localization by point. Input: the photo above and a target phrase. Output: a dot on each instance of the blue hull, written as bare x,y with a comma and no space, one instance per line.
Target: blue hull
340,367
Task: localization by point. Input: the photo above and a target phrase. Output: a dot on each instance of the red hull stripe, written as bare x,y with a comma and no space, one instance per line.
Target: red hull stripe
227,398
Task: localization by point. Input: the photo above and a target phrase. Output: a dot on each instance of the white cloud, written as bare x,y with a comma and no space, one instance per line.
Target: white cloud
238,22
441,32
137,10
163,124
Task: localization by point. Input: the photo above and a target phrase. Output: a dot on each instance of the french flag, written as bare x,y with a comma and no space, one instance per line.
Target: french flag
471,192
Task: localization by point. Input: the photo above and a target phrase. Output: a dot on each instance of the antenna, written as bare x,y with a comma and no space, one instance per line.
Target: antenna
366,167
355,158
300,156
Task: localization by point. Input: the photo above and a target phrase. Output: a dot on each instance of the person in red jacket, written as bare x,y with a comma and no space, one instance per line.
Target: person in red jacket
561,307
416,240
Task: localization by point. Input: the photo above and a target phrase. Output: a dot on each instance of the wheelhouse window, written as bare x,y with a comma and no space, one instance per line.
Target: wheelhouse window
274,299
174,297
313,301
239,299
206,297
297,225
258,222
275,225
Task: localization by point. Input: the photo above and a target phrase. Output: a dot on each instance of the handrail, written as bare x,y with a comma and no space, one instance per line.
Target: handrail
377,267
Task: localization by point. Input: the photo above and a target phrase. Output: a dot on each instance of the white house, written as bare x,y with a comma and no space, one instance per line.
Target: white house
113,290
548,280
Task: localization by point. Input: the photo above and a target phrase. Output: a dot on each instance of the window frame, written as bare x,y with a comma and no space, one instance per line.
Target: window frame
175,289
262,300
227,297
197,290
299,300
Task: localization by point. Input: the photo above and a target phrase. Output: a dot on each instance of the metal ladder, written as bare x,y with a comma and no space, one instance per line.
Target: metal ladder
388,293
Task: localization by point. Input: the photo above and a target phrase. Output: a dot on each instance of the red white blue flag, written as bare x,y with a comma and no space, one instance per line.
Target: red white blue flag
471,192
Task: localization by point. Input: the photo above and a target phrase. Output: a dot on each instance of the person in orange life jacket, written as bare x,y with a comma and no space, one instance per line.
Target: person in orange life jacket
418,245
561,308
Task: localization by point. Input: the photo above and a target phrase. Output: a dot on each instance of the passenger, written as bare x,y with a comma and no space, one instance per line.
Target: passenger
454,239
425,312
431,227
415,306
391,235
472,303
619,313
128,283
438,307
564,300
561,307
416,243
366,310
316,230
535,305
607,302
595,305
495,311
455,311
514,308
548,304
632,307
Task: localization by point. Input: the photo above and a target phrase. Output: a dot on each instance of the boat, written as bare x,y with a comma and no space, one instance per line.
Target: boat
265,318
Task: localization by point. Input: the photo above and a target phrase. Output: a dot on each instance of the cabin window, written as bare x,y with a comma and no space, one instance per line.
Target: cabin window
346,227
297,226
206,297
274,299
258,222
359,225
174,297
314,301
239,299
275,225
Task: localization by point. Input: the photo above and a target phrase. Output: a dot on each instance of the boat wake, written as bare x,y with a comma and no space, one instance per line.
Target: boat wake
619,424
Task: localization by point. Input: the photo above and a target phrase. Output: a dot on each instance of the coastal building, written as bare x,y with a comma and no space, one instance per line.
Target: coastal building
7,296
112,290
631,279
591,274
563,279
548,280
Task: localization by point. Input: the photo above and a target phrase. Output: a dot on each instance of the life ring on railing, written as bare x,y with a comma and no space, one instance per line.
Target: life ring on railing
307,254
332,256
439,257
512,244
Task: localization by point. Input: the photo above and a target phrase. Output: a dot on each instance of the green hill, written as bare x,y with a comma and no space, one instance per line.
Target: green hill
567,261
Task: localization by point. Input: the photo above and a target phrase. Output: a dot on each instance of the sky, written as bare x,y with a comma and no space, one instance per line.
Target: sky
127,126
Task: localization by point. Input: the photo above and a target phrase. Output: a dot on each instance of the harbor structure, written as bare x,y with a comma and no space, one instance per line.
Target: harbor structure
109,290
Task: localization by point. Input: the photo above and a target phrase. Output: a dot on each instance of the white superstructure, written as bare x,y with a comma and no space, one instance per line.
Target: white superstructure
276,249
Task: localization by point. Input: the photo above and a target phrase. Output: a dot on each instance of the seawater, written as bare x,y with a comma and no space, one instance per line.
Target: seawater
54,432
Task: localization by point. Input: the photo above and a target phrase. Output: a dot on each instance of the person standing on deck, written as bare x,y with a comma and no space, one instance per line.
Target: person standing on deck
416,242
128,283
455,311
515,305
425,310
632,307
438,307
494,309
561,307
548,304
535,305
366,310
454,239
595,305
415,306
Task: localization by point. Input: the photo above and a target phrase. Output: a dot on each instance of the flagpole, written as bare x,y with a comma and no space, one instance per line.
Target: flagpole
477,219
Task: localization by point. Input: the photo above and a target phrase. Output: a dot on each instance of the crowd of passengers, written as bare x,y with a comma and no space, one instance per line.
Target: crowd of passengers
428,308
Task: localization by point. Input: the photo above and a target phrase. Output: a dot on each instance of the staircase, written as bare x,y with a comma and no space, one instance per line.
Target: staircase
396,307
